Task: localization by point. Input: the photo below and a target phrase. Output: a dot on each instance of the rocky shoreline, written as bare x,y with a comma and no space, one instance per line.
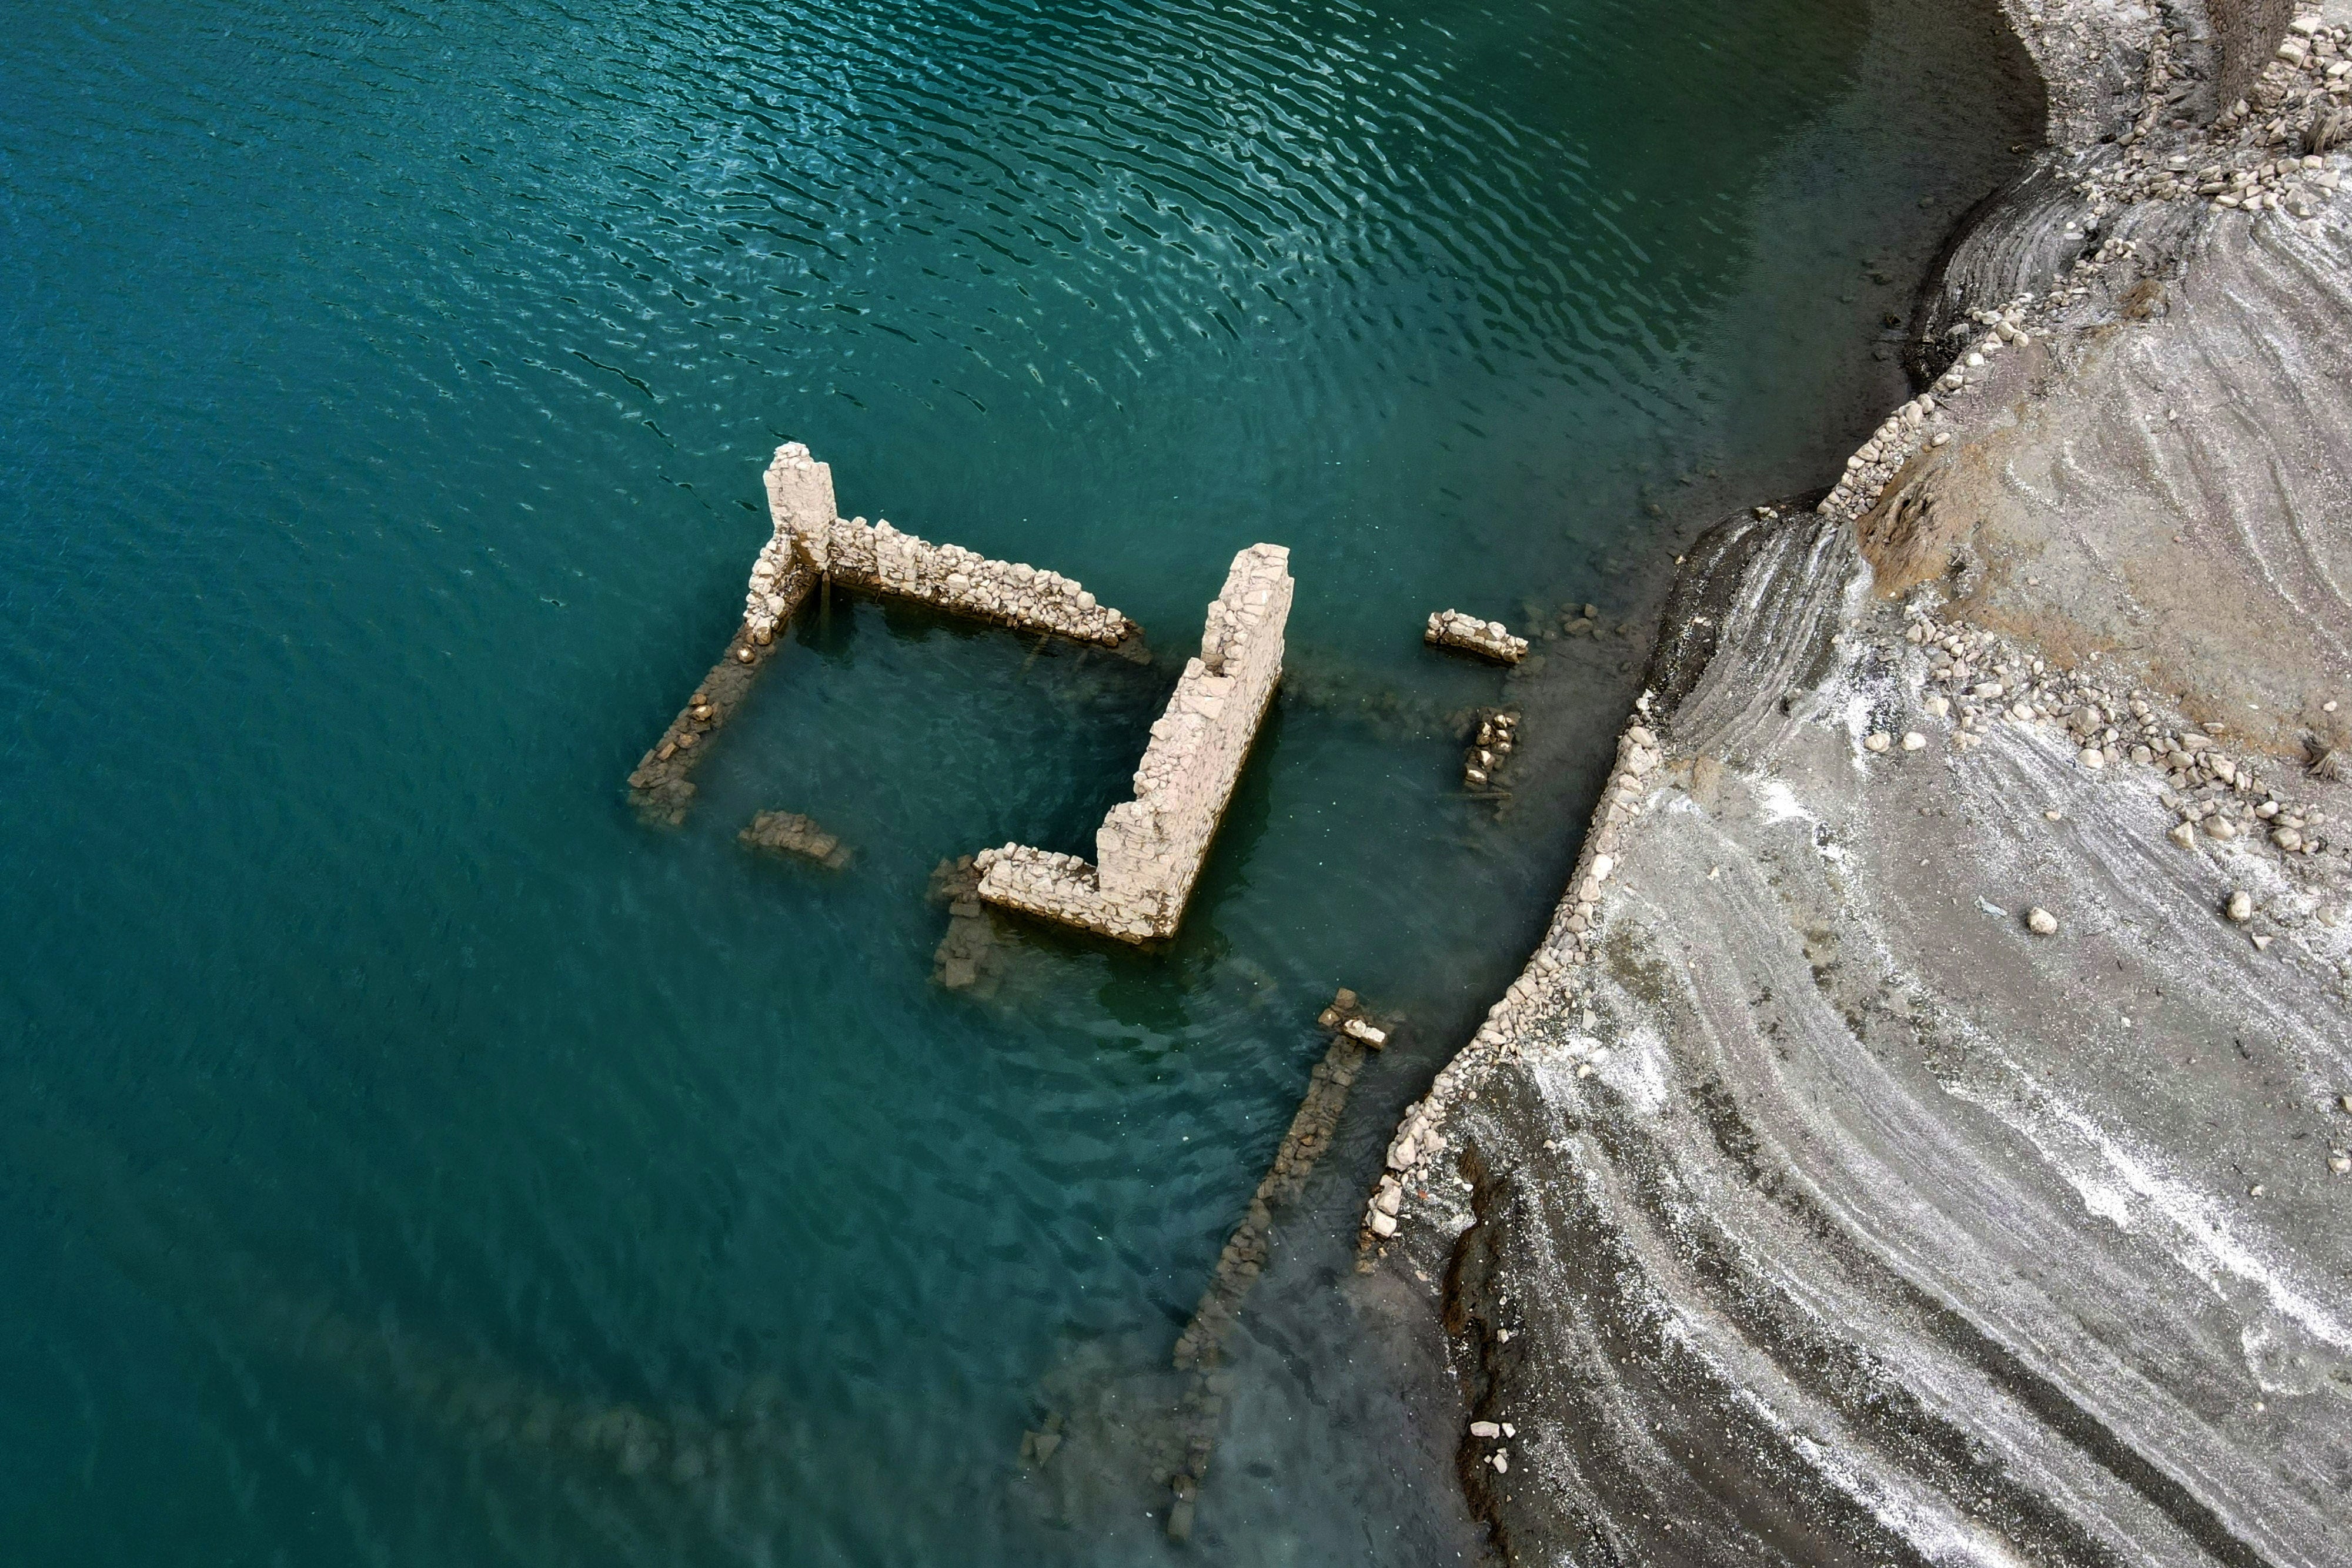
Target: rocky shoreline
1921,1135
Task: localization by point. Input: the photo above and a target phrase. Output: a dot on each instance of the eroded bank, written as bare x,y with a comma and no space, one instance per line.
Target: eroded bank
1921,1134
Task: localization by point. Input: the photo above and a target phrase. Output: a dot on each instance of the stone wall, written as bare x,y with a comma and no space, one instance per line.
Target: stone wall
882,560
879,558
808,544
799,510
2247,34
1149,850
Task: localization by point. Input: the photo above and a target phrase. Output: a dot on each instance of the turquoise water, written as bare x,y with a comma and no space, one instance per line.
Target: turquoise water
406,1156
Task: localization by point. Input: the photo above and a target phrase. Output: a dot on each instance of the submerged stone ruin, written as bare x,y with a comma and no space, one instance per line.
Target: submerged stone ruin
968,955
1494,734
1355,1031
810,547
1453,629
789,833
880,559
1149,850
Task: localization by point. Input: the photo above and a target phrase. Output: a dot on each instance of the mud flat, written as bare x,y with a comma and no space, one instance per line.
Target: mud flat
1922,1134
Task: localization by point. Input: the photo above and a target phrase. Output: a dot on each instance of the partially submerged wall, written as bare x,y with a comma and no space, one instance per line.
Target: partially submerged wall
800,508
662,786
1149,850
880,559
808,544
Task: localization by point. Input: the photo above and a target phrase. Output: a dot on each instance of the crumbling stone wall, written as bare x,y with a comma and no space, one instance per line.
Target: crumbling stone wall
808,544
1149,850
880,559
801,511
884,560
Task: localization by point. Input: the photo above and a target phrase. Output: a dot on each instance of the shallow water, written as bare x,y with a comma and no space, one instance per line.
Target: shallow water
409,1156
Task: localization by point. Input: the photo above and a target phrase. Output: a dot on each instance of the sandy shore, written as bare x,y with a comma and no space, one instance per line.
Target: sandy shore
1922,1135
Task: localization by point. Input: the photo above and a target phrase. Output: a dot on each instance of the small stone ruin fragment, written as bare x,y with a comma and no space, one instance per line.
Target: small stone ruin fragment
1452,629
967,956
789,833
1494,734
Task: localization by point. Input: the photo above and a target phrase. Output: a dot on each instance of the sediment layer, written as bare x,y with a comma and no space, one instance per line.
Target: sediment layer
1921,1135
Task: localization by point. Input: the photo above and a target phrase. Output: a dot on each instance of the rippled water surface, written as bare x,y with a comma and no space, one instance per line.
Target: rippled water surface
406,1156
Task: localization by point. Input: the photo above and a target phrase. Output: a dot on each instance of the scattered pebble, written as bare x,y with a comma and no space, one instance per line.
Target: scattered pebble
2040,922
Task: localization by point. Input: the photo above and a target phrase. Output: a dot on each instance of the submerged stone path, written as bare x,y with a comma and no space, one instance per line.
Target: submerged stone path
1355,1032
809,545
1149,850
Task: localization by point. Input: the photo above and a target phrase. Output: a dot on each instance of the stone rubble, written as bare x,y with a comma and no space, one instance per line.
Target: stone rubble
2275,154
2265,152
1522,1020
1971,679
1494,734
789,833
1149,850
968,957
1979,680
1453,629
1039,1444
